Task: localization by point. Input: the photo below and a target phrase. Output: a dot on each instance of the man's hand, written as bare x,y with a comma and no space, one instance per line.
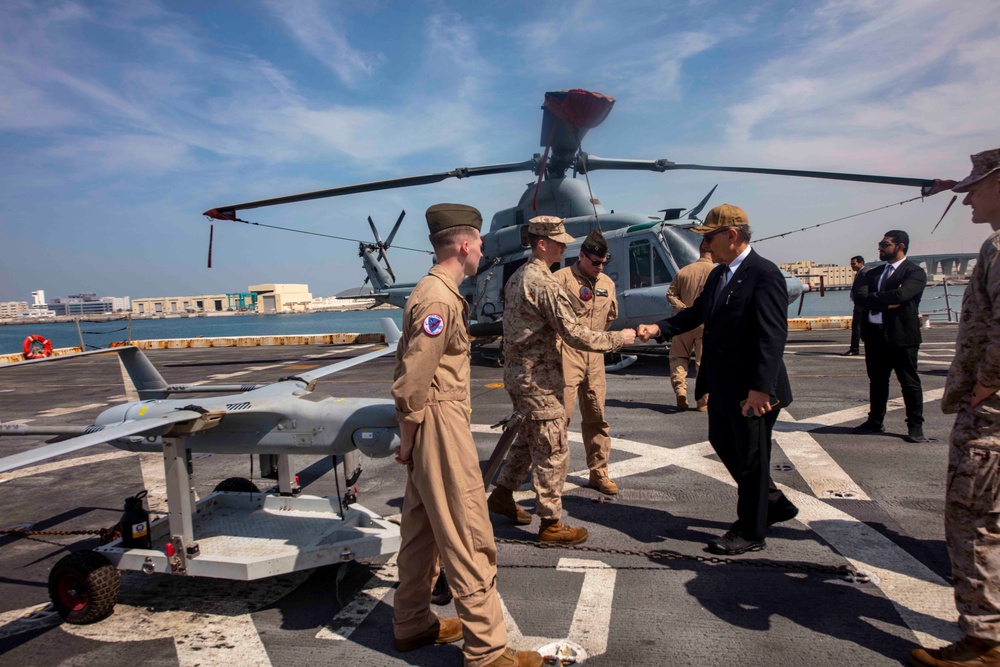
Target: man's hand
629,336
981,393
757,405
407,434
647,331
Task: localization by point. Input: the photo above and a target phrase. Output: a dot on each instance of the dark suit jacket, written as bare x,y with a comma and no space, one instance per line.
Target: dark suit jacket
744,336
904,287
859,279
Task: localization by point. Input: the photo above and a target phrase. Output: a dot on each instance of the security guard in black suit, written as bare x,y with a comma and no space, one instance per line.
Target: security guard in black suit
744,308
892,334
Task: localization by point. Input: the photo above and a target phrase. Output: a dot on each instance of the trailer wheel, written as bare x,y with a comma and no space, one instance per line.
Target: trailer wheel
237,485
83,587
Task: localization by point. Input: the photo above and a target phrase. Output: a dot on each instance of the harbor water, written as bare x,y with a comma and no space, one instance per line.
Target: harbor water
101,334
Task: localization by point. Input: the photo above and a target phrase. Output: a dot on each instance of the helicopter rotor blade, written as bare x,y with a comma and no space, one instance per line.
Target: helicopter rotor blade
693,213
395,228
378,239
229,212
591,163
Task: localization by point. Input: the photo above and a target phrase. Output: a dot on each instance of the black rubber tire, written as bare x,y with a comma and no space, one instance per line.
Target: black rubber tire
83,587
237,485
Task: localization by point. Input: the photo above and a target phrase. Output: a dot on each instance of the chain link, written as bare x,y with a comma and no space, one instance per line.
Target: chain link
845,572
106,534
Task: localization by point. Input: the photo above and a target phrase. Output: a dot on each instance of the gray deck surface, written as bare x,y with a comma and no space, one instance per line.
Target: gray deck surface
873,501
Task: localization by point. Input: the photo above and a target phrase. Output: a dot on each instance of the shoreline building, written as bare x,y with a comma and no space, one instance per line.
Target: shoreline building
834,276
87,303
13,309
264,298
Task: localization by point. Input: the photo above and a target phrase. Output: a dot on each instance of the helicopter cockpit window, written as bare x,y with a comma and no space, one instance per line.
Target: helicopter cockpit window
524,236
646,267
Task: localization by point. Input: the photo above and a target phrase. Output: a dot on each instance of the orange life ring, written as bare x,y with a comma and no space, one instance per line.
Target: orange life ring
37,347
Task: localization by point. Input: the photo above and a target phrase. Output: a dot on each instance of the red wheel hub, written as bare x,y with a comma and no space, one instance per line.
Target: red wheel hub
72,592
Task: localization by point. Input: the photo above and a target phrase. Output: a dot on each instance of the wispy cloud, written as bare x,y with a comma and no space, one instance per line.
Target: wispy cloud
325,38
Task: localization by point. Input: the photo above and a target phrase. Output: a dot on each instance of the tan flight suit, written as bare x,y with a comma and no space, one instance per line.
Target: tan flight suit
444,508
972,499
537,312
595,306
683,290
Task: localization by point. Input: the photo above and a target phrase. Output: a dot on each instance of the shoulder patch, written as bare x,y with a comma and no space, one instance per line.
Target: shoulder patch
433,324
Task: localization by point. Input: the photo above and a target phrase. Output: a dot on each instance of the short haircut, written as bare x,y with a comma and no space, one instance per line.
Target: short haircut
743,233
899,236
450,236
859,259
533,240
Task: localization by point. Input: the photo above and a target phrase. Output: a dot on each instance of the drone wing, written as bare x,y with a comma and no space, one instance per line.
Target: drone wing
392,336
134,427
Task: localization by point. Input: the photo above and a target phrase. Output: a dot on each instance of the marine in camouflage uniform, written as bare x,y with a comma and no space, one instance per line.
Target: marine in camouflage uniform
537,313
592,295
972,499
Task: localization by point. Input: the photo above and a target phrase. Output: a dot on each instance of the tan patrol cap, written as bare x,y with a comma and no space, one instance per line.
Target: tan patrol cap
443,216
983,164
550,227
720,217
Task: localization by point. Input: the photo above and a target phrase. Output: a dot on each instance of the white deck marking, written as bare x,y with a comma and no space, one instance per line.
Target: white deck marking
348,619
819,470
61,465
224,376
850,414
59,412
591,618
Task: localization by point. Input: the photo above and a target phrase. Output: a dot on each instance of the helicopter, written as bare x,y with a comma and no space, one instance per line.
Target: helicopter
645,254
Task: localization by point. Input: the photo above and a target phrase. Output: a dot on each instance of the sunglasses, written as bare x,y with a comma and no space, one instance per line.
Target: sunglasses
885,244
600,262
708,237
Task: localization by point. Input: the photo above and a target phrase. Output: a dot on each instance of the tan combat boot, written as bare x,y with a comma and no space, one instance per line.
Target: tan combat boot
512,658
599,480
682,402
553,532
501,502
444,631
702,404
969,652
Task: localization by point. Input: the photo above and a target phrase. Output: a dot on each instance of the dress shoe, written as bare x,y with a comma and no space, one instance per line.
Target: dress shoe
916,435
867,428
851,353
682,403
603,483
501,501
512,658
965,653
553,532
733,544
444,631
785,512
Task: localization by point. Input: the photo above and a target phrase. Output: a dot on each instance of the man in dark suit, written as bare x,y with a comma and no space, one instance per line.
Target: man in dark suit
744,308
891,294
860,314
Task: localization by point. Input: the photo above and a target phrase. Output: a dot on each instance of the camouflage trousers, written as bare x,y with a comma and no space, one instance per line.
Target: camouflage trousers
972,517
541,445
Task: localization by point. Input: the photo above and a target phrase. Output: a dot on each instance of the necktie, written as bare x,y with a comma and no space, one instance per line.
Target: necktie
723,281
885,276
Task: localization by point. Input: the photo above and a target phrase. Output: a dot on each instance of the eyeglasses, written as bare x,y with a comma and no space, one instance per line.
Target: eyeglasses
885,244
711,235
599,262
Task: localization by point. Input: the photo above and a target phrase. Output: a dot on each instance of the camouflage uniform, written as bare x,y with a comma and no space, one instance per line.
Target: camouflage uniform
595,305
537,312
972,503
684,289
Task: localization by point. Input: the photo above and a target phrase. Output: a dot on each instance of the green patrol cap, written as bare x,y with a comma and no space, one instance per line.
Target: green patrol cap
443,216
595,244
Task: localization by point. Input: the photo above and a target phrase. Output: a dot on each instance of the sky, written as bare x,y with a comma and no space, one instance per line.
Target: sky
121,122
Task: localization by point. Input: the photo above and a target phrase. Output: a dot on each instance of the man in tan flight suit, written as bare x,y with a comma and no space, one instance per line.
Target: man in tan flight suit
592,295
444,508
972,497
683,290
537,312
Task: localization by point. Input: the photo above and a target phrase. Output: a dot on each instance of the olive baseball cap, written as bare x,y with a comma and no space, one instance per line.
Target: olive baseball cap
550,227
720,217
983,164
443,216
